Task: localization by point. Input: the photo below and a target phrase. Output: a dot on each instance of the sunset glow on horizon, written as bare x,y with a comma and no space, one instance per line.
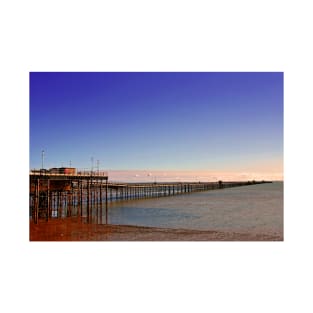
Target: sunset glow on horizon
190,176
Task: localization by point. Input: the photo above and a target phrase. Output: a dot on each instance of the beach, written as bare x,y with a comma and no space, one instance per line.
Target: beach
77,229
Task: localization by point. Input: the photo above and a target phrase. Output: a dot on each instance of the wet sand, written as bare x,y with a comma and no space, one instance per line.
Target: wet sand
77,229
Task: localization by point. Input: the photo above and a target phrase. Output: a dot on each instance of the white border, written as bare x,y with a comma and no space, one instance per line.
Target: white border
156,36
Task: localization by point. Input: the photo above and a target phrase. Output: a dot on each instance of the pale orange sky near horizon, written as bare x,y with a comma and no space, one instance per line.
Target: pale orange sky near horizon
167,175
257,170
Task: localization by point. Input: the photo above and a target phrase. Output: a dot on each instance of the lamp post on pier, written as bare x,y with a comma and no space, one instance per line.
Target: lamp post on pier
91,165
42,158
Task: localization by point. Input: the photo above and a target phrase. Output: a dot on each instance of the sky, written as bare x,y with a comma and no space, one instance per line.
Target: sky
173,125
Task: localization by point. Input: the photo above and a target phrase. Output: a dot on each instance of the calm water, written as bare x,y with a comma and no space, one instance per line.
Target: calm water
256,208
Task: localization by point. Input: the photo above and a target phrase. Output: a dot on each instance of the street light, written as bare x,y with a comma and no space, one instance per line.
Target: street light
91,164
42,158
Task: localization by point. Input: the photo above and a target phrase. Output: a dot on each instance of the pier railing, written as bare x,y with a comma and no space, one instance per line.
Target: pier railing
92,173
79,172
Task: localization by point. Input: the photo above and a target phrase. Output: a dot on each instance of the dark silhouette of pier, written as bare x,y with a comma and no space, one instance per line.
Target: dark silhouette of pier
67,192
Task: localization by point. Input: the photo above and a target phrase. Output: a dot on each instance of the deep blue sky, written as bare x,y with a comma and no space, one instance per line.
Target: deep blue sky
179,121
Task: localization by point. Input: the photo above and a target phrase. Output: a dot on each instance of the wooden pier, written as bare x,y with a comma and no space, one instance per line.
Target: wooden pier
87,193
66,194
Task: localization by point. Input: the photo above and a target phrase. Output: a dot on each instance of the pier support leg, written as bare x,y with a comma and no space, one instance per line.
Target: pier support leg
48,200
36,207
106,202
88,200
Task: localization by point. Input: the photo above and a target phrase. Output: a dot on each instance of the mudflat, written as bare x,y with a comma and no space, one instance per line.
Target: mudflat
78,229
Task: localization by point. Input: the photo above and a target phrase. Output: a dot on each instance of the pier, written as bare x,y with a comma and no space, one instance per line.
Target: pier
65,192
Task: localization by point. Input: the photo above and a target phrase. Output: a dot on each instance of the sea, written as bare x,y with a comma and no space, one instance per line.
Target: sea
246,209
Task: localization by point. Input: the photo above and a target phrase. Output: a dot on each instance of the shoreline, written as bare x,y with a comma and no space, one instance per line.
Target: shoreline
77,229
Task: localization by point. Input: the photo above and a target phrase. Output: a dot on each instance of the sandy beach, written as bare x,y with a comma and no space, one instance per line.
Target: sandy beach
77,229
